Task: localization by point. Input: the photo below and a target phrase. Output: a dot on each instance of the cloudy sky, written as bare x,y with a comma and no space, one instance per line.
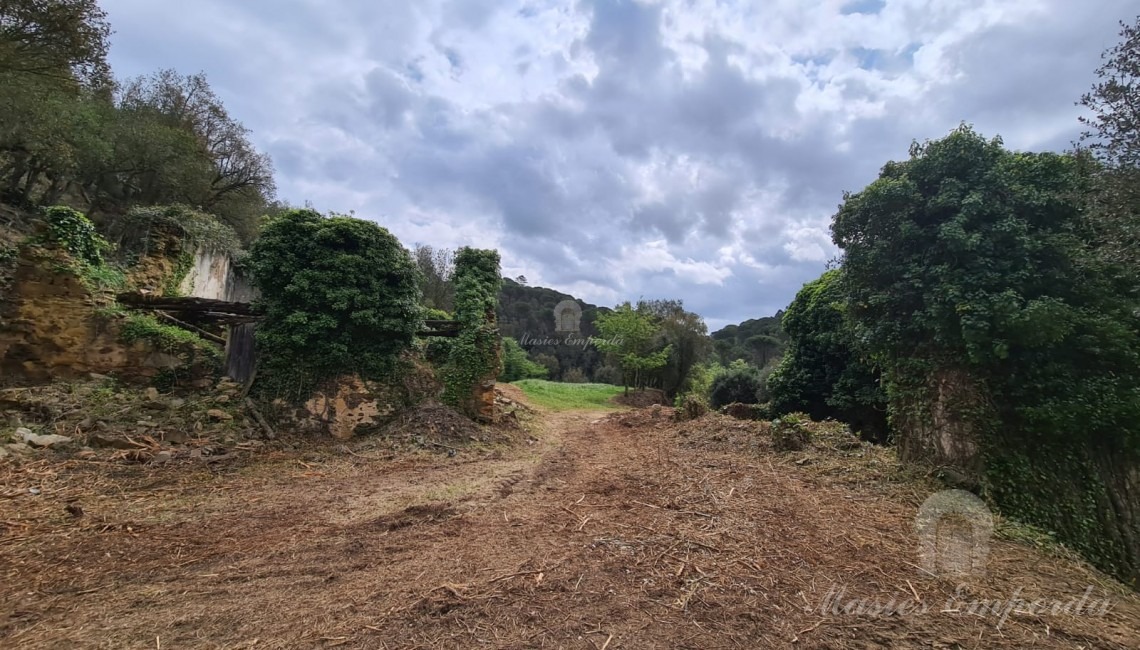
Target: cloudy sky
617,149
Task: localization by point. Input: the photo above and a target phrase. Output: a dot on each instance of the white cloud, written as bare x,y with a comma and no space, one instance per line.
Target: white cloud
621,148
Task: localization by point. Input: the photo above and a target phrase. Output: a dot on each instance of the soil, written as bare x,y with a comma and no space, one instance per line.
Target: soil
623,531
642,398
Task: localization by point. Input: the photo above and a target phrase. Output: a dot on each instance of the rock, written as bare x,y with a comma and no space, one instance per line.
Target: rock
97,377
101,440
152,393
19,449
44,441
4,453
162,458
23,432
195,453
85,424
174,437
219,415
177,403
86,454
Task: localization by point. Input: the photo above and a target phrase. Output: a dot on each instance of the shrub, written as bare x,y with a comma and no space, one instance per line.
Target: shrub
690,407
608,375
736,385
574,376
340,296
136,232
517,365
789,432
73,232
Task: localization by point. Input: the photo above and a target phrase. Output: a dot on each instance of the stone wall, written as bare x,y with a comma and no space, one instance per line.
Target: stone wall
212,275
353,406
53,326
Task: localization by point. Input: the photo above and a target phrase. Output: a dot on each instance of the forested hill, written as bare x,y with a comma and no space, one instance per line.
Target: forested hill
757,340
527,314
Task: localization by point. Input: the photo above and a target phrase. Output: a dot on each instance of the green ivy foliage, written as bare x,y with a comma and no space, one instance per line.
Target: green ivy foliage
72,231
141,229
969,260
188,346
474,356
340,296
822,372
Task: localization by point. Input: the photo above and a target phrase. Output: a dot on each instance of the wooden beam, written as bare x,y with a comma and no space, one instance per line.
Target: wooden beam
197,330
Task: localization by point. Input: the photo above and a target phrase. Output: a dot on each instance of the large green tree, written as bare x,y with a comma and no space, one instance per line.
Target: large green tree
1112,136
340,296
1009,347
685,334
629,338
64,40
822,372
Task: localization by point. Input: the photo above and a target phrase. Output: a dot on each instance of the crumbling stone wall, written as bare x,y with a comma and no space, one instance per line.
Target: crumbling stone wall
53,326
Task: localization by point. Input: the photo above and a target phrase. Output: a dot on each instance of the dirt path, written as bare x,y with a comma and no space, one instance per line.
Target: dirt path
599,535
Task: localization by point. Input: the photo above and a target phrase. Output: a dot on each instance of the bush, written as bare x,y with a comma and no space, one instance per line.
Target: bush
608,375
340,296
73,232
136,232
575,376
516,364
789,432
690,407
736,385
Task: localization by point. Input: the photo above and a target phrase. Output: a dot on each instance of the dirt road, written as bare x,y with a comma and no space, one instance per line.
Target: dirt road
601,534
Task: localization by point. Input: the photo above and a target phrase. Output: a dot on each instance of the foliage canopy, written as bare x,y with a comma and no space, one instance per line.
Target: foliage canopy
340,295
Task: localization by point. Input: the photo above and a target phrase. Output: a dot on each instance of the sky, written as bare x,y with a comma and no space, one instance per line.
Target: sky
622,149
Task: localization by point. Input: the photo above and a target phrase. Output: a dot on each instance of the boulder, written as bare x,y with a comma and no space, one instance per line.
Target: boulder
42,441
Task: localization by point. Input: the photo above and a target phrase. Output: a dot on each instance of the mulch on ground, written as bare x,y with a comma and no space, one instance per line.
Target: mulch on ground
624,531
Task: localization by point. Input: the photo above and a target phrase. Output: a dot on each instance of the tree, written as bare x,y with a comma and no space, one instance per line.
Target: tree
1009,347
1112,135
1113,129
437,271
686,336
516,364
60,39
339,295
204,157
739,384
627,337
822,373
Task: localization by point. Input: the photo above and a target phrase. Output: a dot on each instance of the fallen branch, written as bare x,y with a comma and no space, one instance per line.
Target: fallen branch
269,433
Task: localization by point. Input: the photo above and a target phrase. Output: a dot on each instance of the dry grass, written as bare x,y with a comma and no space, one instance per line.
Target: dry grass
628,531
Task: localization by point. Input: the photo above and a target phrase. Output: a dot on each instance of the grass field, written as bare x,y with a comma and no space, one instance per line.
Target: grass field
561,397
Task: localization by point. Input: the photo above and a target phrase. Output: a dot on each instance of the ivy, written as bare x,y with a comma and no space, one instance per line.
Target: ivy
142,230
73,232
172,340
975,284
474,356
340,296
182,266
